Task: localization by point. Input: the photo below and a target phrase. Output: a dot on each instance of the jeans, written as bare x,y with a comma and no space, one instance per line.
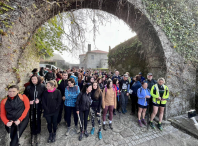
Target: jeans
68,111
124,100
134,100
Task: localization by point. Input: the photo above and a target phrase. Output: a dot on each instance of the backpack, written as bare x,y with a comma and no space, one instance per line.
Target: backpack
106,90
49,76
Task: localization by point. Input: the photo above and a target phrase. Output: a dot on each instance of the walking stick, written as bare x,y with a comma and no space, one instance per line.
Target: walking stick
18,136
148,117
80,122
9,131
31,120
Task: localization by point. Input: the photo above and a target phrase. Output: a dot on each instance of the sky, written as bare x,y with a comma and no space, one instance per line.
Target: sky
112,33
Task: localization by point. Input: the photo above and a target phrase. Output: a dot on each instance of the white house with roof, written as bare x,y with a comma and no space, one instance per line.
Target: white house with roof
94,59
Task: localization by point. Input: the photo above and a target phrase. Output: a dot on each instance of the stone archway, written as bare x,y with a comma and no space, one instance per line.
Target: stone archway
160,56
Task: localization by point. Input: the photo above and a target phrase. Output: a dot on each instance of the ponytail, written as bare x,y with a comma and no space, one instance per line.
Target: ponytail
53,83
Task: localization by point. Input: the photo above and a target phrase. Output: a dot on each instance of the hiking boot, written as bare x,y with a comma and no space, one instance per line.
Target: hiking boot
152,125
92,131
104,127
111,127
32,139
139,123
123,111
37,138
68,130
100,135
50,138
160,126
143,122
86,133
81,136
54,137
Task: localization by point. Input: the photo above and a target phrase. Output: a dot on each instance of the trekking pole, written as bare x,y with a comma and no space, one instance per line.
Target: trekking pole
18,136
80,122
147,117
9,131
31,120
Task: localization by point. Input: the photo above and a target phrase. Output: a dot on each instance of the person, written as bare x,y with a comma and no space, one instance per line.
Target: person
35,71
34,93
80,81
131,94
134,88
150,82
58,77
124,87
142,78
96,96
91,79
51,101
15,113
99,80
116,87
62,84
129,78
41,72
49,76
160,94
71,94
108,103
143,93
116,75
83,103
104,81
74,77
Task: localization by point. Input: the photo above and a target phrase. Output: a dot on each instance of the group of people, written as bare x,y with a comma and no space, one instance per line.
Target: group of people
56,94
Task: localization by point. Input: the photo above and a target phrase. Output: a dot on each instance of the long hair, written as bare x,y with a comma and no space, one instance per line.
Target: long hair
80,80
38,78
85,87
53,83
98,91
108,83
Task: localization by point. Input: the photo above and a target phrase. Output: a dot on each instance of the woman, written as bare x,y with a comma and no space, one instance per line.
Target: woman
35,71
134,98
104,82
143,94
58,77
116,87
82,107
96,96
108,103
99,80
51,101
41,72
15,113
80,81
71,93
160,94
34,92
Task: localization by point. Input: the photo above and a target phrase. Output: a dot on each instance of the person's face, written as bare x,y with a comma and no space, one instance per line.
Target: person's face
111,85
34,80
160,82
12,92
117,73
145,85
100,81
150,77
65,76
49,87
125,78
92,80
70,84
134,78
89,89
95,86
79,76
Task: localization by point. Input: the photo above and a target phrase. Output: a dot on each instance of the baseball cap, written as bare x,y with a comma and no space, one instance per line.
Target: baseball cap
125,75
149,74
140,73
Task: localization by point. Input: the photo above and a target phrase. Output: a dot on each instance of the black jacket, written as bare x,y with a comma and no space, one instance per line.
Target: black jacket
50,76
83,101
62,85
51,102
151,83
96,103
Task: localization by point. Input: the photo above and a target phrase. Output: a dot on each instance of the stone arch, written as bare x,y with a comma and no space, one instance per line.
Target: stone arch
160,57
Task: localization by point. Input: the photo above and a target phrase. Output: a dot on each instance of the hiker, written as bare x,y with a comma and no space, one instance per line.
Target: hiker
83,103
51,101
99,80
71,94
41,72
117,89
134,98
96,96
80,81
143,94
142,78
108,103
116,75
124,87
15,113
74,77
160,94
35,71
34,93
49,76
62,84
58,76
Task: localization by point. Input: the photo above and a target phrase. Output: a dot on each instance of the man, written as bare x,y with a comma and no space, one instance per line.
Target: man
124,88
116,75
142,78
49,75
62,84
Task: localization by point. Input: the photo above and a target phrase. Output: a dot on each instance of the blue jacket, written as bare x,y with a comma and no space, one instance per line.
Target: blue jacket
135,87
75,79
142,78
141,93
71,94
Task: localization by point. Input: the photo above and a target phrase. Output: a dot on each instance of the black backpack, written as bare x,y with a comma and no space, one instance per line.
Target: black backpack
49,76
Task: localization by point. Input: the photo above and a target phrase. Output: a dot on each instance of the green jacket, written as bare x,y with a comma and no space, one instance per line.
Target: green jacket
155,94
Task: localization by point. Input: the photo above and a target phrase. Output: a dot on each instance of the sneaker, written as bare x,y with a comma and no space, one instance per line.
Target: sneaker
139,123
143,122
81,136
104,127
111,127
123,111
86,133
50,138
160,126
68,130
92,131
54,137
100,135
152,125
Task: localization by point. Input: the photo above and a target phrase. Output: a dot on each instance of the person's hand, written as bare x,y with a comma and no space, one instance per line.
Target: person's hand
147,96
37,101
63,97
163,99
127,94
9,124
32,102
17,122
77,112
159,98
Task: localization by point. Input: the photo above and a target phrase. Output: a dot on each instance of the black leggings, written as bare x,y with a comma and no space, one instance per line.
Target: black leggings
84,119
134,105
13,134
35,126
52,120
